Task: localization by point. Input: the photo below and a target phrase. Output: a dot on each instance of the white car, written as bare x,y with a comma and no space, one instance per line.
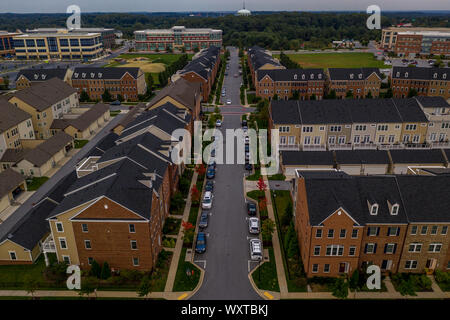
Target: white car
218,123
253,225
247,139
256,249
207,200
229,101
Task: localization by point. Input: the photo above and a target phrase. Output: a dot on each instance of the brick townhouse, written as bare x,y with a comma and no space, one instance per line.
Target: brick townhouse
27,77
358,81
425,81
345,222
259,59
126,82
286,82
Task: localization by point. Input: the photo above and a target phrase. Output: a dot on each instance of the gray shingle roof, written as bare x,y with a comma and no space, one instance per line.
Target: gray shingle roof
362,157
91,73
346,73
85,120
38,75
417,156
292,74
9,180
418,73
307,157
432,102
11,115
47,149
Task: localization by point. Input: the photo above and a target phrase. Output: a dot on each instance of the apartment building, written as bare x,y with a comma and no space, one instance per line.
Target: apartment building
58,46
260,59
15,125
346,222
126,82
425,81
437,110
45,102
357,81
411,41
107,35
285,83
184,94
27,77
202,69
7,43
348,124
177,38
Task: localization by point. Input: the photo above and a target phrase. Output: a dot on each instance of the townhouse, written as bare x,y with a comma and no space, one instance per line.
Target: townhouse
202,69
345,223
27,77
424,81
129,83
285,83
12,184
437,111
357,81
181,93
45,102
260,59
414,122
15,125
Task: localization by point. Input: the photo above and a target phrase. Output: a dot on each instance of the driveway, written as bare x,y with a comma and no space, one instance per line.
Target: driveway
226,259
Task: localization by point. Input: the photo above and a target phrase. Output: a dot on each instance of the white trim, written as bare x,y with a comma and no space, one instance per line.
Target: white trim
335,212
90,184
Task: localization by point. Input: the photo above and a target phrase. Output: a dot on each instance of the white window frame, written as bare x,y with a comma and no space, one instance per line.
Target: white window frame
65,242
314,251
87,242
131,244
59,224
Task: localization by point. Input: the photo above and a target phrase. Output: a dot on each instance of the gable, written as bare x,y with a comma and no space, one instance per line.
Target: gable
106,209
171,100
339,217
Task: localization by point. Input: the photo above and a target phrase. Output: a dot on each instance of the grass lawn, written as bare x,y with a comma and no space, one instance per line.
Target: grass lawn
166,58
337,60
35,183
255,176
114,113
266,277
193,214
171,226
278,176
255,194
183,282
80,143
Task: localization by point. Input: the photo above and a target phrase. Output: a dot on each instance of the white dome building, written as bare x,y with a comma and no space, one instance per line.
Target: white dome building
243,11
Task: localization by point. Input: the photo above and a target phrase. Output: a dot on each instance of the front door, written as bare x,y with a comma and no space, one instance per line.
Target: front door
431,265
342,267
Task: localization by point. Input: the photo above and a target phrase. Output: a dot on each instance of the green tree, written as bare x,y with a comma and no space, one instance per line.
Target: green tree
313,97
30,284
369,95
106,271
286,218
296,95
95,269
331,95
267,229
293,248
145,287
349,94
88,285
340,288
412,93
388,93
120,98
84,96
106,96
354,279
149,82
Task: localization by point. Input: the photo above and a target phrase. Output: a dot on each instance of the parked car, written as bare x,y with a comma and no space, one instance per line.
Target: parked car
247,156
256,249
223,94
235,75
212,162
247,147
200,244
247,139
245,129
116,103
213,153
228,101
207,200
253,225
248,166
244,123
210,173
218,123
226,73
251,208
203,220
209,186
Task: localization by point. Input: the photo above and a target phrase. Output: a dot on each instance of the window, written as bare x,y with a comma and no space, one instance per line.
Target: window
444,230
390,248
424,230
326,268
394,209
59,227
435,247
411,264
374,209
330,233
434,230
135,262
12,255
133,244
415,247
87,244
393,231
370,248
352,251
132,228
62,243
84,227
66,259
335,250
354,233
317,250
319,233
315,268
413,230
343,233
90,260
373,231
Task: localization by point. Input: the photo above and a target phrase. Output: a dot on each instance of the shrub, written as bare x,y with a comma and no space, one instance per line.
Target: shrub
95,269
106,271
340,288
131,275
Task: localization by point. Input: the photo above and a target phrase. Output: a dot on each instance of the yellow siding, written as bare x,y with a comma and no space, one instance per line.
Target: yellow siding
22,254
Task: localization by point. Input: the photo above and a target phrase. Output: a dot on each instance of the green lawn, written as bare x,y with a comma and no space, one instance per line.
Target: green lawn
255,194
337,60
35,183
278,176
183,282
114,113
171,226
166,58
80,143
255,176
265,277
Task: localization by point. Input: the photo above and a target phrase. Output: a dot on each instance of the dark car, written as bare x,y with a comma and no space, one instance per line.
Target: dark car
213,153
244,123
116,103
251,209
209,186
200,244
203,220
210,173
247,147
248,166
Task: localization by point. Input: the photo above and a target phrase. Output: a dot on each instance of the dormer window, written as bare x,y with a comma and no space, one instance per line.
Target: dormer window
92,75
351,76
394,209
319,76
360,76
295,77
398,74
374,209
312,75
406,74
435,75
444,76
303,76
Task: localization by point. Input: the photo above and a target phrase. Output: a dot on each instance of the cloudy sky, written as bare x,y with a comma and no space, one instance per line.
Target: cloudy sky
50,6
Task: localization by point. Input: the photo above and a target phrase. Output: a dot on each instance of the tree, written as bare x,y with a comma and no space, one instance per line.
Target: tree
120,98
369,95
286,218
349,94
354,280
340,288
145,287
188,231
388,93
106,96
31,284
275,97
412,93
262,186
84,96
201,169
106,271
331,95
149,82
195,195
267,229
313,97
95,269
88,285
293,248
296,95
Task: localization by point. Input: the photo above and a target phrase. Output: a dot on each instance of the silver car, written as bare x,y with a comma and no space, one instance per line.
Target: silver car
253,225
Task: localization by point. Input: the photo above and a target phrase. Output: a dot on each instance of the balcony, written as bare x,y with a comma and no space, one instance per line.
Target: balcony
364,146
49,245
314,147
391,146
417,146
289,147
440,145
343,146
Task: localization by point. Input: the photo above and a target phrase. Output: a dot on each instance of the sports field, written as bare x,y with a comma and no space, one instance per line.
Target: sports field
337,60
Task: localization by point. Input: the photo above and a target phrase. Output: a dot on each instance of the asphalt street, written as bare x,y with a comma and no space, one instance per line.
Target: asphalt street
226,260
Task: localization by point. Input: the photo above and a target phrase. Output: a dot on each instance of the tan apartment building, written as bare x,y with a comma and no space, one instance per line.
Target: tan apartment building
424,81
27,77
357,81
45,102
437,110
129,83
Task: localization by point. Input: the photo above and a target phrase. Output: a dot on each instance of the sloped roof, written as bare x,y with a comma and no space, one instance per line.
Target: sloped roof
38,75
417,156
9,180
418,73
181,90
346,73
47,149
292,74
11,115
362,157
307,157
109,73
